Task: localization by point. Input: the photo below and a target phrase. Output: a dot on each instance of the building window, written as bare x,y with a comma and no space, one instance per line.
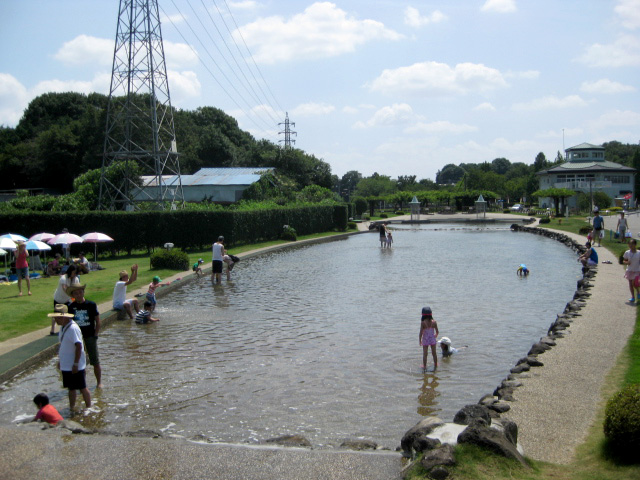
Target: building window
617,178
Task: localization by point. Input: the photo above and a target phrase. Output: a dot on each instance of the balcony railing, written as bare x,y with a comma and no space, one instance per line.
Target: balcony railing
583,185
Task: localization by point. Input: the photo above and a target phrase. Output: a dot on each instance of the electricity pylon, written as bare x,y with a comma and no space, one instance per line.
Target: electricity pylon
140,140
287,131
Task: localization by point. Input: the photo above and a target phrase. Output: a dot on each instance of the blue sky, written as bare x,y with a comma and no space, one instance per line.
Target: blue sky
394,87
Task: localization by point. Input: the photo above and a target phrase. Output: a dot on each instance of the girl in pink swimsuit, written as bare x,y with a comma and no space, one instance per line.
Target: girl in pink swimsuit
428,335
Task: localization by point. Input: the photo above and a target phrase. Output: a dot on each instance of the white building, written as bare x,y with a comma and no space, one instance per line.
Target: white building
587,171
218,185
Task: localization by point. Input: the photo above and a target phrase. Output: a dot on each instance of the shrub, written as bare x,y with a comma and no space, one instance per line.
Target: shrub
352,226
289,233
615,209
384,215
174,259
585,230
506,210
622,419
545,220
399,212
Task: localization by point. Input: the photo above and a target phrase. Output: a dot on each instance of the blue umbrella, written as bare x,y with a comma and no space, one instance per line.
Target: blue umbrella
14,236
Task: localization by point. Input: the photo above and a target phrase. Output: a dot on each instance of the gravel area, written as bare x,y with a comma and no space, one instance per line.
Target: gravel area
557,403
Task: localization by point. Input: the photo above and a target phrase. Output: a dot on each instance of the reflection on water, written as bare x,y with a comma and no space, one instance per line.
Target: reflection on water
323,340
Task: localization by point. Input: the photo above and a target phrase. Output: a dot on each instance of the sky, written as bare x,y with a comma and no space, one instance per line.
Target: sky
393,87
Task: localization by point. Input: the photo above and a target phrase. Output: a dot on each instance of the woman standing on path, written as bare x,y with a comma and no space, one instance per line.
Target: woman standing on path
60,296
622,227
631,258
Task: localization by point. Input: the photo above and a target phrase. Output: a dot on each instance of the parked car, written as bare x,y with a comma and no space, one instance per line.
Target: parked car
518,207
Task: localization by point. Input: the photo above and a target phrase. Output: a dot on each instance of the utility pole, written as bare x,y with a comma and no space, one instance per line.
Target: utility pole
140,138
287,131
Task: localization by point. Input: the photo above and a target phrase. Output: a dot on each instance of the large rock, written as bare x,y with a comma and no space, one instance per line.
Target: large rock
491,439
420,429
469,413
75,427
440,456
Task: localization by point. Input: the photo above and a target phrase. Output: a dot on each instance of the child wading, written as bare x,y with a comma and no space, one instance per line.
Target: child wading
428,336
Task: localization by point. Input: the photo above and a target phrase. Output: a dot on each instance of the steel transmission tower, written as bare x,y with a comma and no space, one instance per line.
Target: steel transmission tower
140,143
287,131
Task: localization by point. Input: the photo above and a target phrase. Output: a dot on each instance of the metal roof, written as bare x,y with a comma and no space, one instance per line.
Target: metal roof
213,176
590,166
585,146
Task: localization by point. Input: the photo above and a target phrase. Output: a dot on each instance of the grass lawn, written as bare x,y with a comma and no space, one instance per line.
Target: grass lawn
20,315
593,461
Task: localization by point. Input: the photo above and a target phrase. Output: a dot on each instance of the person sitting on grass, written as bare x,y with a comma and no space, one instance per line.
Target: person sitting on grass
144,316
46,411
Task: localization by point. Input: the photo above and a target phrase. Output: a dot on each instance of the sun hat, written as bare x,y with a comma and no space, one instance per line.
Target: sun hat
123,273
446,341
200,260
221,238
61,311
426,311
73,288
157,279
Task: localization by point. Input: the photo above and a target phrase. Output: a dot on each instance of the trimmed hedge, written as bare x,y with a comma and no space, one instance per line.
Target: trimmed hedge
622,419
185,229
174,259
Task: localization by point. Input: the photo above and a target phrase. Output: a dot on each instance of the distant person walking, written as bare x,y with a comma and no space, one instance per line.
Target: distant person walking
598,225
622,228
428,336
22,266
631,259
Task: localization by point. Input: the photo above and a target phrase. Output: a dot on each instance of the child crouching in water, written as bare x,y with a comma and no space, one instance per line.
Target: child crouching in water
144,315
428,335
46,411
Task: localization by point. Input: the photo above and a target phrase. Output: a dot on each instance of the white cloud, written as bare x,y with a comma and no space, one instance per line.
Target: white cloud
100,83
616,118
183,86
14,98
606,86
624,52
173,19
484,107
322,30
629,12
179,55
86,50
349,110
499,6
433,78
312,109
413,18
441,127
551,102
396,114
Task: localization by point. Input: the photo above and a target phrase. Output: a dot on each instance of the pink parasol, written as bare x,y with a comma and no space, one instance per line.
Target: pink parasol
41,237
95,238
65,239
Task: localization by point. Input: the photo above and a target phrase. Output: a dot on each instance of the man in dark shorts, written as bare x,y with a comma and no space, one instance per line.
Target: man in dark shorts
71,356
218,254
383,234
87,317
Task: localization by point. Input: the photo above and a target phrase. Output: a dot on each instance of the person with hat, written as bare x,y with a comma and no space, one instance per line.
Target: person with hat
60,296
86,315
428,335
22,266
196,267
151,292
71,356
446,348
120,300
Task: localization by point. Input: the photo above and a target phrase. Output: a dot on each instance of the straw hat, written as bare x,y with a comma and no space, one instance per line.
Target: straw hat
73,288
61,311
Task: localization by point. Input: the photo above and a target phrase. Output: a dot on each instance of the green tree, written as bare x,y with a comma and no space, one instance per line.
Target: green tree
540,162
406,182
500,166
557,194
375,186
450,174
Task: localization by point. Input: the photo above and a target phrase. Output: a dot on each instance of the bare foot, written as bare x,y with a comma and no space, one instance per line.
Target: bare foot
20,294
29,292
99,385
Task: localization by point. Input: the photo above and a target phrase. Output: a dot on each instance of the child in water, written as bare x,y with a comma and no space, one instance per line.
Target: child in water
46,411
389,238
428,335
522,270
151,293
144,315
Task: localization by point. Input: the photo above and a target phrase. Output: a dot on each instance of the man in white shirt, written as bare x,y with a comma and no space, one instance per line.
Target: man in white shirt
120,300
71,361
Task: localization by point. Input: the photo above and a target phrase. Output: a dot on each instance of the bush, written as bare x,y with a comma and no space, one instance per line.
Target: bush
545,220
622,419
506,210
174,259
399,212
585,230
289,233
352,226
614,209
384,215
